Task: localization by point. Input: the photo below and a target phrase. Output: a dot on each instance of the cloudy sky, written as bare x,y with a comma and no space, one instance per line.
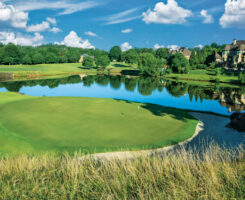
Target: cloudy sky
128,23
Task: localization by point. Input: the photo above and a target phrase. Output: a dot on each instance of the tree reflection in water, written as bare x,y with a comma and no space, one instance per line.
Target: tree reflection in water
230,97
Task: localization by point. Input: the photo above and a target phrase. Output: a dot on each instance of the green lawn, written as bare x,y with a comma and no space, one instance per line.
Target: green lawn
32,71
204,75
38,124
57,69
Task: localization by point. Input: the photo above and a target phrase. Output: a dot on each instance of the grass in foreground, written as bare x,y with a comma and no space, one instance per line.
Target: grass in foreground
38,124
218,175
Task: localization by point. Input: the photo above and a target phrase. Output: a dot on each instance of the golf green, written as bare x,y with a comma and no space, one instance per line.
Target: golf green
40,124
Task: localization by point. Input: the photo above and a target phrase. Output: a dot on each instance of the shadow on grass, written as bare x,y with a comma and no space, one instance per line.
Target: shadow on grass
161,111
90,68
119,65
130,72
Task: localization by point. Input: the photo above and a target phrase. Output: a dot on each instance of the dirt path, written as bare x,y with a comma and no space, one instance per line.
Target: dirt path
211,128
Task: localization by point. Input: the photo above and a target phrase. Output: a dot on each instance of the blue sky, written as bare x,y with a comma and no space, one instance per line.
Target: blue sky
130,23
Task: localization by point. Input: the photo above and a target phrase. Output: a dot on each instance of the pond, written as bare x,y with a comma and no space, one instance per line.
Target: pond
214,98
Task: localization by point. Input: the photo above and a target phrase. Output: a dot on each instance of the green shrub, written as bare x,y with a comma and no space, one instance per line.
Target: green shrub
241,78
218,71
201,66
217,80
88,62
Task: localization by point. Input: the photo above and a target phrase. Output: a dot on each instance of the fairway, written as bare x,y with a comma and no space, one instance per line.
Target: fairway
39,124
58,69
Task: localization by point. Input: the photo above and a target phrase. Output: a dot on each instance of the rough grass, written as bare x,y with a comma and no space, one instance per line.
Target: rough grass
38,124
217,174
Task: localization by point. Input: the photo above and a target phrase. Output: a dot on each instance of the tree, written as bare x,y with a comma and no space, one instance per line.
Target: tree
88,62
37,58
63,59
179,63
8,61
146,50
162,53
193,59
131,56
214,45
115,53
218,71
149,65
123,58
102,61
27,60
11,54
241,78
51,58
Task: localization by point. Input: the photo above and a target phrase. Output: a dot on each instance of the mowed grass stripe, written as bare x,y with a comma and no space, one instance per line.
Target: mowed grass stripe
89,124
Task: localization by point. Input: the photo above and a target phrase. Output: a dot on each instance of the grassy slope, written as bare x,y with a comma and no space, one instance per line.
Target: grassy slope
36,124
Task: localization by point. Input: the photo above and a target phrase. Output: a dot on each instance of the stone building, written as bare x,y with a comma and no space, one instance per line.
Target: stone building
234,54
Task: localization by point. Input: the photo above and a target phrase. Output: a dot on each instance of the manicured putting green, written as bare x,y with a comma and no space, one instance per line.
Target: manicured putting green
39,124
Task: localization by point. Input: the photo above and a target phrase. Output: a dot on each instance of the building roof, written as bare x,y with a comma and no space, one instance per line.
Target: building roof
218,56
240,45
239,42
185,51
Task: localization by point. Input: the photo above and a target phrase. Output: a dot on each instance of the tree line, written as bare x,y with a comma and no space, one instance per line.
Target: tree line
12,54
149,61
157,62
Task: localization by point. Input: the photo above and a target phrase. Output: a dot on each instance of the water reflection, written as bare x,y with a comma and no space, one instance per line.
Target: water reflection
146,89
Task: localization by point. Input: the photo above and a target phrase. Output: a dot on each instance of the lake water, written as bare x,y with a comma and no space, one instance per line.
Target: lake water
214,98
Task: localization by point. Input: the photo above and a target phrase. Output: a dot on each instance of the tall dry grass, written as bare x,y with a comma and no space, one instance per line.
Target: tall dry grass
217,174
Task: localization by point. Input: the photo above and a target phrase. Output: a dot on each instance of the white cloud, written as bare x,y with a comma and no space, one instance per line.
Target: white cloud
51,20
67,7
44,26
169,13
157,46
24,40
200,46
173,47
90,33
12,16
126,46
234,15
73,40
55,30
121,17
128,30
208,19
